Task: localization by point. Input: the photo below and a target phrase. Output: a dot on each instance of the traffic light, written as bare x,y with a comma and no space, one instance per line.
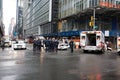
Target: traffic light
92,18
91,23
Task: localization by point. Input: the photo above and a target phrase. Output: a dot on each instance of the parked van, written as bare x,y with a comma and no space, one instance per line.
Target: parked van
92,41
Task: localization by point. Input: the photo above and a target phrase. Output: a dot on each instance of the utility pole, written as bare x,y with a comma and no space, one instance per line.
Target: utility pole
94,18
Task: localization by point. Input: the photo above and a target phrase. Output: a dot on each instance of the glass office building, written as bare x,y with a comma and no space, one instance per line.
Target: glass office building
19,20
39,17
1,20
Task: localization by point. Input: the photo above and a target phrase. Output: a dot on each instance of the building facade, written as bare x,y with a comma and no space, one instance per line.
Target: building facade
75,15
69,17
12,30
1,20
19,18
40,17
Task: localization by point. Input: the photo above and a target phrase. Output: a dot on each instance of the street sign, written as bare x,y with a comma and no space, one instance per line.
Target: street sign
15,33
95,27
106,33
92,18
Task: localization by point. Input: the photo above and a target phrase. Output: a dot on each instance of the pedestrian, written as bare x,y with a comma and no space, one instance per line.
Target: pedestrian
34,45
71,43
56,45
2,43
52,46
47,43
39,45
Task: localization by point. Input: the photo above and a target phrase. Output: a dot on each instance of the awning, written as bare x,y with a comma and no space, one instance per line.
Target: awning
76,33
63,34
69,33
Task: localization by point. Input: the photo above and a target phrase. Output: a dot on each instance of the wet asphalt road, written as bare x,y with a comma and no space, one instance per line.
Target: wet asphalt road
26,65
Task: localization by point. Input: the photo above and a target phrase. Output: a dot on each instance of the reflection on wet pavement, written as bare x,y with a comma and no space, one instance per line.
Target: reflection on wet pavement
9,78
8,63
25,65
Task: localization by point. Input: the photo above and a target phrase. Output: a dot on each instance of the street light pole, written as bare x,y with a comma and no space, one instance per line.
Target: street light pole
94,18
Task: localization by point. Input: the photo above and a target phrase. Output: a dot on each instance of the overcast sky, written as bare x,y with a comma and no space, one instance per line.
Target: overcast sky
9,11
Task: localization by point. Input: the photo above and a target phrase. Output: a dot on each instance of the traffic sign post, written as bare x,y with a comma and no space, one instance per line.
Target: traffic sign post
94,18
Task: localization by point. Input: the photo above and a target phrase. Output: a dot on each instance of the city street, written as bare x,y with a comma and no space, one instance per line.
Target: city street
60,39
63,65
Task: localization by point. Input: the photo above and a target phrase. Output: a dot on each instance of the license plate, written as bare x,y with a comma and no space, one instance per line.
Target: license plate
19,46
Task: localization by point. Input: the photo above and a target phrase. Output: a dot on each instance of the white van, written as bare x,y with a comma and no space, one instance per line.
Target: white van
92,41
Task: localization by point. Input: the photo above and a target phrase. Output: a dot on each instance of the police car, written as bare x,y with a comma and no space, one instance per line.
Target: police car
63,46
20,44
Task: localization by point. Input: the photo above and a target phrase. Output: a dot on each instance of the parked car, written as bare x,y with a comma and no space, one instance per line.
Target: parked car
63,46
20,44
7,43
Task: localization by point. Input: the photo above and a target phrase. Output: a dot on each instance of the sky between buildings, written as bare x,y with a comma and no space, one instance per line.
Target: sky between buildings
9,11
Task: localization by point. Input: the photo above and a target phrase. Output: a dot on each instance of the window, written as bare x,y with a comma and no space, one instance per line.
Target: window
83,37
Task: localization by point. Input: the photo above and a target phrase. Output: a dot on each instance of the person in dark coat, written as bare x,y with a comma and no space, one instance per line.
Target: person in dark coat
34,45
2,43
39,45
71,43
47,44
56,45
52,46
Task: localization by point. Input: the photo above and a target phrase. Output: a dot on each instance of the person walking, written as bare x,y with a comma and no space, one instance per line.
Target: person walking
39,45
2,43
34,45
47,44
71,43
56,45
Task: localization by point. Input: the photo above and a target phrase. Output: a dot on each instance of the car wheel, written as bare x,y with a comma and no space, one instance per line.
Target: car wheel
85,51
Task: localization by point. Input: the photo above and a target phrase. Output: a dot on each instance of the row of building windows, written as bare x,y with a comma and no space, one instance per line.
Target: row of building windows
32,31
68,25
37,14
46,28
40,8
70,7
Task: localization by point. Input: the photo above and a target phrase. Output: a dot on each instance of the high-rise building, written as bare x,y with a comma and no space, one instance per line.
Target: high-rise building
19,18
40,17
1,20
12,29
69,17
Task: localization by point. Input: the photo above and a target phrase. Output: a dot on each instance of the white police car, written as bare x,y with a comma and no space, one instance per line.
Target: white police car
63,46
20,44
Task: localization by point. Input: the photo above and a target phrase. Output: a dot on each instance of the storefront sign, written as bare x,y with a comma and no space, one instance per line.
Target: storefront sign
109,5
